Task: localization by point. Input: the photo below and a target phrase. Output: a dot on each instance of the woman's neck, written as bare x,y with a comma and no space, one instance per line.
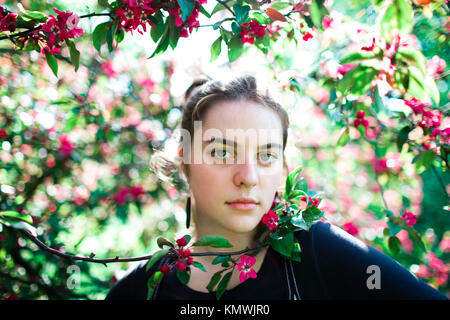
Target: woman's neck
239,241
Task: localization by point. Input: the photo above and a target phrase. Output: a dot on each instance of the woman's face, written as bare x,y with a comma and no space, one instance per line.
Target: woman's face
227,172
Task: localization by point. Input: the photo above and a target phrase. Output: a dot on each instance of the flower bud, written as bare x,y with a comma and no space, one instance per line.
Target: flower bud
180,265
190,260
185,253
181,242
165,269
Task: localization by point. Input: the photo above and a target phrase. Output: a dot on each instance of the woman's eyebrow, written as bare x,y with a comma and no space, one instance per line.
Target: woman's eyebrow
230,143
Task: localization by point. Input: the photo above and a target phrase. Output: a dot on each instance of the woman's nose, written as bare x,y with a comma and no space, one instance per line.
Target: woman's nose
247,173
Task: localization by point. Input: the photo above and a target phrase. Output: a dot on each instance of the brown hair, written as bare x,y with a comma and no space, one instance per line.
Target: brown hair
201,95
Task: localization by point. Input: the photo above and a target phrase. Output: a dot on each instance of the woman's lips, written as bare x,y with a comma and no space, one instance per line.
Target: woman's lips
242,206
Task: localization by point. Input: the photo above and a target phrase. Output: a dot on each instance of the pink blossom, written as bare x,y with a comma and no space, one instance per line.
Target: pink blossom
326,22
270,219
108,69
409,217
343,69
405,241
350,228
435,66
250,30
66,146
245,267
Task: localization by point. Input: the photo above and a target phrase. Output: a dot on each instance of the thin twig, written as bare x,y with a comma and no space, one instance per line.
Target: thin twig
43,246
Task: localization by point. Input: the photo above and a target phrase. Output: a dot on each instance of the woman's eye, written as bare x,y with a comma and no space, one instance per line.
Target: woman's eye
219,153
267,157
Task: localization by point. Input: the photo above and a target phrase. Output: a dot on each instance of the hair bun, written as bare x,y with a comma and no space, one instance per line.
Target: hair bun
195,84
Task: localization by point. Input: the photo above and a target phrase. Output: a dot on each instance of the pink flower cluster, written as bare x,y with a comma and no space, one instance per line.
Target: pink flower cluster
436,269
435,66
191,22
66,146
64,26
7,20
270,219
429,119
409,217
361,120
185,259
135,13
127,194
250,30
314,202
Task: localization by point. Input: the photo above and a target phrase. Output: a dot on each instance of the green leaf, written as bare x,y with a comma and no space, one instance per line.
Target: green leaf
74,54
235,28
421,86
344,138
221,259
18,224
235,49
153,282
222,286
158,28
213,241
358,80
394,244
378,101
214,280
291,178
188,238
35,15
202,10
14,214
174,32
262,19
52,62
186,8
155,257
297,221
216,48
284,245
394,227
99,35
428,158
416,237
281,5
241,12
183,276
220,7
402,137
199,265
412,56
316,15
161,241
110,35
358,56
398,16
163,42
311,214
120,36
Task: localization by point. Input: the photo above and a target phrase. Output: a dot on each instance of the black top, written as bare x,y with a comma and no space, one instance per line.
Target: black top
334,265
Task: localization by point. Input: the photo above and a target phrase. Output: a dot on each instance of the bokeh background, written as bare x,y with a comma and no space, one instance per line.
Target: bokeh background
75,149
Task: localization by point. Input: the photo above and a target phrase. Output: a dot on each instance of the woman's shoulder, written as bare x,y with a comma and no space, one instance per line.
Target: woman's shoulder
350,268
133,285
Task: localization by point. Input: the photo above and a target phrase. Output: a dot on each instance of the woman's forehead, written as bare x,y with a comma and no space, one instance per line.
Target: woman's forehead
230,118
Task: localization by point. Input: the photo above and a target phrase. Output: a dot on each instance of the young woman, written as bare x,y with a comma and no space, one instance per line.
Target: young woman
241,143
